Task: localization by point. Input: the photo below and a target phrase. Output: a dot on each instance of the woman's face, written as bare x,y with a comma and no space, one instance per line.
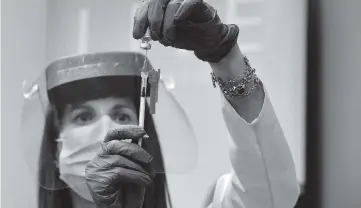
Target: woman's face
106,112
83,129
119,110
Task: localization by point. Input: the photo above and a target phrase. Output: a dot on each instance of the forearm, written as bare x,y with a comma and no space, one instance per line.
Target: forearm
263,170
232,66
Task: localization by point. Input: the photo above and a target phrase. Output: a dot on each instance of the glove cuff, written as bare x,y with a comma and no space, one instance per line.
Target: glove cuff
223,48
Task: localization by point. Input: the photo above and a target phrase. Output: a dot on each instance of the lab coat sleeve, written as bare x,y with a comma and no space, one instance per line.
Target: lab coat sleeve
263,172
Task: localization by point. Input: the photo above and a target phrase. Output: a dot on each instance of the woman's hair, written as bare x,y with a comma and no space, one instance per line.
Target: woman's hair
52,191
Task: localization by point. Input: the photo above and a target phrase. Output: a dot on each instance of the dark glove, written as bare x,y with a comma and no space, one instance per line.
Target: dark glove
119,173
186,24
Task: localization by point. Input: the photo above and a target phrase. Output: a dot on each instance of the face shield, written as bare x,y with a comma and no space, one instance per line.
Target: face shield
69,109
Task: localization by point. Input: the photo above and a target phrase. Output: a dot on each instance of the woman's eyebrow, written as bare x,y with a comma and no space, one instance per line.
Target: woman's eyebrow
120,106
78,106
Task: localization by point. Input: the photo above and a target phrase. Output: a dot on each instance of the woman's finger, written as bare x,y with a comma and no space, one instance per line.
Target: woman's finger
134,151
105,162
169,29
186,9
155,17
111,178
131,176
125,132
135,196
141,23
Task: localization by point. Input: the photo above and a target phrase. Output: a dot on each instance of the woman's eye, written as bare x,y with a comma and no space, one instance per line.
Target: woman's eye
121,118
83,118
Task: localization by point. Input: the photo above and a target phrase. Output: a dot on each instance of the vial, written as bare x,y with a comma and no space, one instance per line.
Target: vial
145,44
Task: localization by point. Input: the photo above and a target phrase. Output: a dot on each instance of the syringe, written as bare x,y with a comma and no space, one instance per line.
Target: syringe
145,45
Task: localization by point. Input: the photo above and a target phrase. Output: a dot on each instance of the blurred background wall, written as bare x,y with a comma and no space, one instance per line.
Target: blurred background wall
340,64
23,31
38,31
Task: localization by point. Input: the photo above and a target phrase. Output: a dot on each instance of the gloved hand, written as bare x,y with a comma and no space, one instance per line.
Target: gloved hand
186,24
119,173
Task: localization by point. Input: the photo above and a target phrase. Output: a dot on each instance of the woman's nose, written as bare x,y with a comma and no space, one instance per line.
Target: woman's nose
106,123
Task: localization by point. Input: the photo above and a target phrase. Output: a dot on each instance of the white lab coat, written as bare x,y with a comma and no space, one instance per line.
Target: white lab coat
263,172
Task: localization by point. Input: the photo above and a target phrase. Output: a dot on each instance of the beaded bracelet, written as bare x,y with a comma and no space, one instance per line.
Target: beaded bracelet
237,87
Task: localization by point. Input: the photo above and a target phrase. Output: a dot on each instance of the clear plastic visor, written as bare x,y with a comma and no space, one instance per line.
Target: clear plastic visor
61,136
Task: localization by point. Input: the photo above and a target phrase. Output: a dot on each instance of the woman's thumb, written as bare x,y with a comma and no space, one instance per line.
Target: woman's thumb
125,132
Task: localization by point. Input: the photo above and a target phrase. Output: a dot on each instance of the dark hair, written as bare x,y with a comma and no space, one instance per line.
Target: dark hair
156,194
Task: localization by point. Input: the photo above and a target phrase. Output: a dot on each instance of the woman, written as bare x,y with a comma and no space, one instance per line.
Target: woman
80,114
263,173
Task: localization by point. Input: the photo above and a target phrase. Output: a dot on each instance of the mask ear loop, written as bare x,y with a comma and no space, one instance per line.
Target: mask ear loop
59,140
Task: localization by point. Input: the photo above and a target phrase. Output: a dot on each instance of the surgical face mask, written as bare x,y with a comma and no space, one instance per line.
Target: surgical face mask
80,140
